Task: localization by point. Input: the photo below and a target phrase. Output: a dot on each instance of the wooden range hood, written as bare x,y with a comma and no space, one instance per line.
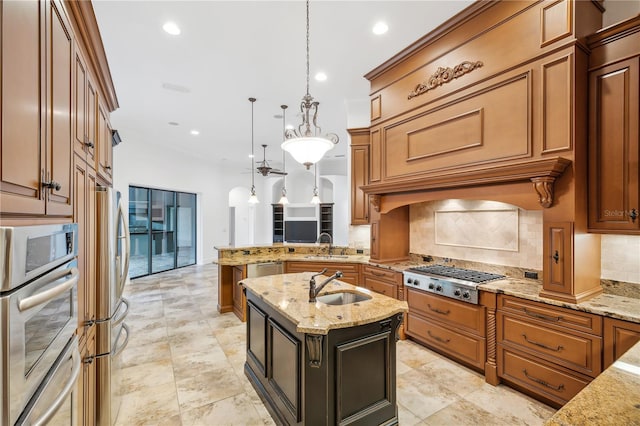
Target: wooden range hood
492,105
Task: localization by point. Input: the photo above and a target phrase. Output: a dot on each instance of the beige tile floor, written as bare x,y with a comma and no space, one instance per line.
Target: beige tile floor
184,366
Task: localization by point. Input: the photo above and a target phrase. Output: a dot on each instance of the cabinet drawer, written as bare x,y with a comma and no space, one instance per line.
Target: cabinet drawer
553,315
464,347
382,274
577,351
459,314
379,286
332,267
550,382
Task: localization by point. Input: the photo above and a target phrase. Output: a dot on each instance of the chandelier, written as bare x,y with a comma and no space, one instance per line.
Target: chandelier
306,145
253,198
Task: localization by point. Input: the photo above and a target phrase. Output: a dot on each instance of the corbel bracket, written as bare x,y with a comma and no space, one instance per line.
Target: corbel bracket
544,187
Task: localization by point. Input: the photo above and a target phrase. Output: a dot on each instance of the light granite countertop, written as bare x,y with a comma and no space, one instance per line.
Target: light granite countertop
289,294
612,398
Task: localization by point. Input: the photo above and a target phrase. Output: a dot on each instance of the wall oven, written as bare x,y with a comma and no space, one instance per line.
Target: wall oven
38,313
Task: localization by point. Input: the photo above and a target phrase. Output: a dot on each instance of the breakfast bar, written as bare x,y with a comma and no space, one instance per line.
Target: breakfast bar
331,361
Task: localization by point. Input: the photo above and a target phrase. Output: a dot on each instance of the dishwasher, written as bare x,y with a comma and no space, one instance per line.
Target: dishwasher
264,268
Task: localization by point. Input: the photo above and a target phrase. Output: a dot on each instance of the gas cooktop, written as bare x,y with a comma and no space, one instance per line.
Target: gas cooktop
458,273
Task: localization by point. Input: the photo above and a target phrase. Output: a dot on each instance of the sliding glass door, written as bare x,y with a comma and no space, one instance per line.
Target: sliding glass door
163,230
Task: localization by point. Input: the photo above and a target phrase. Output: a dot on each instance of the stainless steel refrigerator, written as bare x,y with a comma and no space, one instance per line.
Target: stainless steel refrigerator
112,333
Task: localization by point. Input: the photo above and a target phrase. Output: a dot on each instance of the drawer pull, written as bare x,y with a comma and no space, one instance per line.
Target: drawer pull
439,339
540,316
542,382
542,345
438,311
378,274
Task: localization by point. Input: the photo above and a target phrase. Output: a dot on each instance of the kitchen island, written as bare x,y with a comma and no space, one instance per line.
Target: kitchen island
322,363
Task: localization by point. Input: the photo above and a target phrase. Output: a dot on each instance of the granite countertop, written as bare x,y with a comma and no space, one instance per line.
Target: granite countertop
289,294
612,398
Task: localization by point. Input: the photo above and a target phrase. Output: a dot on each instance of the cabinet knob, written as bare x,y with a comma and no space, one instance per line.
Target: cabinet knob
89,144
107,167
52,185
556,256
633,214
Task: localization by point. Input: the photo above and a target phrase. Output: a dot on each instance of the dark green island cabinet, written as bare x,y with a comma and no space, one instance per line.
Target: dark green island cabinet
316,374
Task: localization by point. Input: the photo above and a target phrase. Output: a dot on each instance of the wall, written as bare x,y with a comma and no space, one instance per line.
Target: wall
619,10
621,258
136,164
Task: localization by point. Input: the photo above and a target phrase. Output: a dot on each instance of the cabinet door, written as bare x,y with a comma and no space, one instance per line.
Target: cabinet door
79,216
22,144
557,254
359,177
613,147
79,104
239,300
87,383
92,117
59,112
104,145
619,337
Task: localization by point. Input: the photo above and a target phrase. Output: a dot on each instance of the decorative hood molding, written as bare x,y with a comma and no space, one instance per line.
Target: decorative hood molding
542,173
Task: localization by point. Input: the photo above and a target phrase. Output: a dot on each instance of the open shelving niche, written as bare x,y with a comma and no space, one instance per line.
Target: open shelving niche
321,214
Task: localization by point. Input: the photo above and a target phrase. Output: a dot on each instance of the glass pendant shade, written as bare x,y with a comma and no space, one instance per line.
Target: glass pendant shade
253,198
307,150
315,199
284,200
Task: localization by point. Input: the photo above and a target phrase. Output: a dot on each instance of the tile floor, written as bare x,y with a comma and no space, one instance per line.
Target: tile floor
184,366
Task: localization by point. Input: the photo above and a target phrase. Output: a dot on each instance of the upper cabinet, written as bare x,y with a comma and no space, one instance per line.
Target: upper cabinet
614,112
359,175
104,158
36,168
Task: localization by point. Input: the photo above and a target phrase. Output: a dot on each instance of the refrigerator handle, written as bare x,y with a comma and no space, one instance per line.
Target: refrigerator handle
127,244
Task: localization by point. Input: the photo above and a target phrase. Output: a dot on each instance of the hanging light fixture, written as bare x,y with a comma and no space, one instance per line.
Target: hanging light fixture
284,200
315,199
305,145
253,198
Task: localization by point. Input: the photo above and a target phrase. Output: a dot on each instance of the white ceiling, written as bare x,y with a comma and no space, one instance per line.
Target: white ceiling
229,51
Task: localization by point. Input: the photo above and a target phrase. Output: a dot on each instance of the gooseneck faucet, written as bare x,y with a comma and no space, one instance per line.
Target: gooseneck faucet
313,290
326,234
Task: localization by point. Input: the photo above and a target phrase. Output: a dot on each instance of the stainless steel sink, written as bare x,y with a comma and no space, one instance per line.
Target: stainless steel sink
342,298
326,256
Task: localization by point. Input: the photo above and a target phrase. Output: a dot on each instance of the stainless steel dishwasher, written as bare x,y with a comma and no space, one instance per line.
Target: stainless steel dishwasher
264,268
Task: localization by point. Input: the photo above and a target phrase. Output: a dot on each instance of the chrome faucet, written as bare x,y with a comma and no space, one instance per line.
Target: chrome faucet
326,234
313,290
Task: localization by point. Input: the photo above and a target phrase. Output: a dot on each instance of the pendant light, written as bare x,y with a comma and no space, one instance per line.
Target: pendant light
305,145
315,199
284,200
253,198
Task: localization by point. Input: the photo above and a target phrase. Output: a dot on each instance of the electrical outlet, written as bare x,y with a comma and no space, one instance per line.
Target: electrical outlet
246,252
427,259
359,251
291,249
532,275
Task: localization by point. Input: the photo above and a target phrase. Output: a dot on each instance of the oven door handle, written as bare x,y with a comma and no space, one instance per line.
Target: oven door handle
124,272
68,387
49,294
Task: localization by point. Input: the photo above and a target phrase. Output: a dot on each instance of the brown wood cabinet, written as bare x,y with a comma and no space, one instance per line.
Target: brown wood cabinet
350,271
614,137
86,414
454,328
36,169
383,281
547,351
239,299
104,157
359,175
619,337
85,107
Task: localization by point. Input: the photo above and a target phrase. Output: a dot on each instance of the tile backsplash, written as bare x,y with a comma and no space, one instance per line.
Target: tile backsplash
498,233
480,231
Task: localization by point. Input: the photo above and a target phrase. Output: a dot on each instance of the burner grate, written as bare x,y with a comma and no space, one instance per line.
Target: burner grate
458,273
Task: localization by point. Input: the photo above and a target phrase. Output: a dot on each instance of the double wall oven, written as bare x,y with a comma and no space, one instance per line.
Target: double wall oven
39,358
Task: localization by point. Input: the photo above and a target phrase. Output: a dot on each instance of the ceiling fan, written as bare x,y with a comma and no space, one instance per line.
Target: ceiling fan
264,169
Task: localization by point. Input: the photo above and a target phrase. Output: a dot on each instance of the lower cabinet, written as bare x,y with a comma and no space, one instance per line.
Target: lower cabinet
350,271
547,351
454,328
619,337
383,281
239,304
347,376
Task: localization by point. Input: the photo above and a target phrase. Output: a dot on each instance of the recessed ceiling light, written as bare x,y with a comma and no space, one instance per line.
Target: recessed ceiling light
173,123
195,132
321,76
380,28
171,28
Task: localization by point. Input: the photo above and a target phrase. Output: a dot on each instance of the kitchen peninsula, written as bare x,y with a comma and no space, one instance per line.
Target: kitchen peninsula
323,362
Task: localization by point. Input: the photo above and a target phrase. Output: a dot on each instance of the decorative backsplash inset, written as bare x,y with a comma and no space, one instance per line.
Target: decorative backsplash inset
478,231
495,229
